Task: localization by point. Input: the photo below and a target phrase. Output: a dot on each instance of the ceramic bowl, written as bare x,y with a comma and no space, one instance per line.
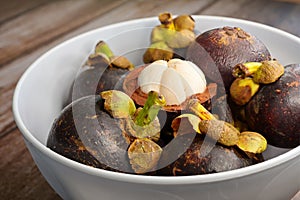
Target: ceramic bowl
43,89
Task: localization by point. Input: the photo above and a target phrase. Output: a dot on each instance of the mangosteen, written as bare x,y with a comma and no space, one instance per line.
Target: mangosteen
177,80
84,132
193,155
203,144
221,108
108,132
102,71
222,131
275,110
218,50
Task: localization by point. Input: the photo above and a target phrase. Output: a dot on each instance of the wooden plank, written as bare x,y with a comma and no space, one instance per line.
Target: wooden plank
25,33
20,178
290,1
6,118
10,9
113,16
154,8
28,182
277,14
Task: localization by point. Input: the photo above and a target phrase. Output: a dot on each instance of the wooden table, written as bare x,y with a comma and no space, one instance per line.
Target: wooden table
29,28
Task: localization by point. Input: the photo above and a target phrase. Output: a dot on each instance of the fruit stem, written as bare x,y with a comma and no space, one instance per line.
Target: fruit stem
166,20
269,72
199,110
245,69
150,110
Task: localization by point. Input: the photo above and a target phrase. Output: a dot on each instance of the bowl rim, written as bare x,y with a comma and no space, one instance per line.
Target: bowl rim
144,179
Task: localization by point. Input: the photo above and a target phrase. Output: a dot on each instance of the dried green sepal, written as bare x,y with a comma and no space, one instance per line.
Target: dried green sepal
269,72
158,34
98,59
118,104
166,20
242,90
184,22
144,155
172,34
252,142
185,123
158,51
121,62
180,39
103,48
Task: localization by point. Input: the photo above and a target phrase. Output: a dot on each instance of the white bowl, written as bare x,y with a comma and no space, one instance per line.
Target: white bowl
43,89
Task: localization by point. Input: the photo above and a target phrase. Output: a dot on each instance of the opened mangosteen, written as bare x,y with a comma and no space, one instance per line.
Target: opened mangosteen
108,132
177,80
217,51
102,71
275,110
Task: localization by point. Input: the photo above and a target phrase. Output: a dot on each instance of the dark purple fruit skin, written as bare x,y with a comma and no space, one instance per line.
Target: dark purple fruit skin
221,108
85,133
275,110
94,79
194,162
217,51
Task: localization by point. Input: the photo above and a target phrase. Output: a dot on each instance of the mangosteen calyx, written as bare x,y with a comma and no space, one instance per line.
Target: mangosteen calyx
171,34
103,50
264,72
224,132
142,124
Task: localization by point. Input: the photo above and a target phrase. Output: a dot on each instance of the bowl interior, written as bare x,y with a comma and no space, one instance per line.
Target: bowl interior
43,89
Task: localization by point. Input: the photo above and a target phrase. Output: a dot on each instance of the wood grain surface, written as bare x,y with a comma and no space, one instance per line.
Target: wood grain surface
29,28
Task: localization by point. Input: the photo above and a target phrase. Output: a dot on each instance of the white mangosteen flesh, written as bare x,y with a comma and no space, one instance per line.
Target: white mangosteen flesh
176,80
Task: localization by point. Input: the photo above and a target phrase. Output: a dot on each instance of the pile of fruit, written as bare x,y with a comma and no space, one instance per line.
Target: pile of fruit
200,104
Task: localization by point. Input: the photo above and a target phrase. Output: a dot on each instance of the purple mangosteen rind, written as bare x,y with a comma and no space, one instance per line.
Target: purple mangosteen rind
218,50
194,154
85,133
275,110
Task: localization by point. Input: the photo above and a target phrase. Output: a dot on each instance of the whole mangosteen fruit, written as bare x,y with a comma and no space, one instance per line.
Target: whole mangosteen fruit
275,110
102,71
193,155
96,78
218,50
84,132
109,132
